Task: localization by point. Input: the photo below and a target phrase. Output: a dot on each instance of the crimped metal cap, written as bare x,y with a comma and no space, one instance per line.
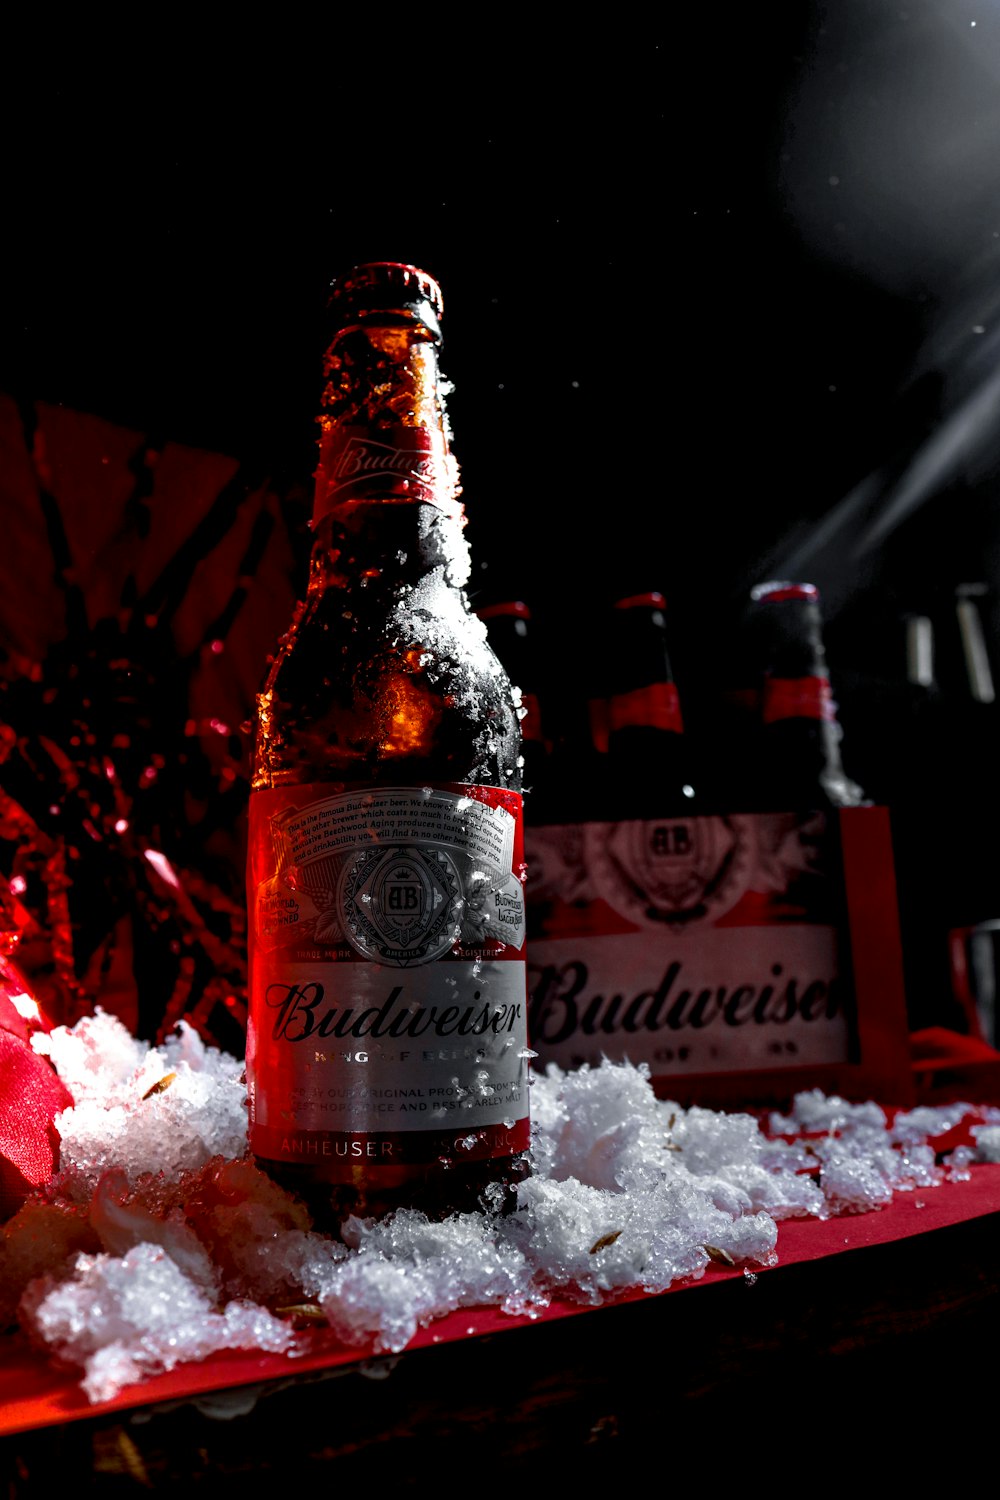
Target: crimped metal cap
775,591
507,607
378,287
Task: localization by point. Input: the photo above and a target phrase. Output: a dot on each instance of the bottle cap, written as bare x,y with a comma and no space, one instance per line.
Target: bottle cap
375,288
652,600
776,591
515,607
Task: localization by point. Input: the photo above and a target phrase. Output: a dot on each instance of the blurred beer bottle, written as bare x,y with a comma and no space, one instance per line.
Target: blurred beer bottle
796,761
386,1048
912,766
649,754
509,631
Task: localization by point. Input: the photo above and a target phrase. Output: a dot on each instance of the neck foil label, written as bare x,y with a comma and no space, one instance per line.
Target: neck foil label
655,706
401,464
797,698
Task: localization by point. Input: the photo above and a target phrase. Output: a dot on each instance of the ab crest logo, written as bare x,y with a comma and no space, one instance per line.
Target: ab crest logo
675,871
399,905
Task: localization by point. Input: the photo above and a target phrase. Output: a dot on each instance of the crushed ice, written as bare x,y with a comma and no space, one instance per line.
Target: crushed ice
160,1242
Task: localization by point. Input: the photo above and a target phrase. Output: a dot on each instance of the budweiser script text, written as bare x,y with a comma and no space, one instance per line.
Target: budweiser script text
562,1006
300,1014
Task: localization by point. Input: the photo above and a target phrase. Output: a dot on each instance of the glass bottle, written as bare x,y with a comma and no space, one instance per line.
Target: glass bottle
648,751
387,1046
509,631
798,760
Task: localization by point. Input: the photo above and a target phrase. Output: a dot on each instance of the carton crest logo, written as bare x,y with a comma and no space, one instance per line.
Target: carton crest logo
678,871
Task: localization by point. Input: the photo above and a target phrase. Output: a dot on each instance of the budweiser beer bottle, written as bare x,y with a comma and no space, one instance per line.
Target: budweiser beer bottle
387,1047
648,751
798,761
508,629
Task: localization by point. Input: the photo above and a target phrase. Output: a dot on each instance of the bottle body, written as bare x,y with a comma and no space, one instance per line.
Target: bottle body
387,1044
797,764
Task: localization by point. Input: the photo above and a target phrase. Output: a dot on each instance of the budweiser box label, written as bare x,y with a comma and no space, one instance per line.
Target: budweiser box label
741,957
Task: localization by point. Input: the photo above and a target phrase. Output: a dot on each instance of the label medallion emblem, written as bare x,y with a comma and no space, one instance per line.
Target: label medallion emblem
400,905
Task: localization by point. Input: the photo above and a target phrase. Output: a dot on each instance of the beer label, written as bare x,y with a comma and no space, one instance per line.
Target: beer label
387,974
397,463
695,945
655,706
797,698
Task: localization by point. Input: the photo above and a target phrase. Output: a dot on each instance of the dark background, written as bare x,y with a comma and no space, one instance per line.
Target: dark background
702,278
721,297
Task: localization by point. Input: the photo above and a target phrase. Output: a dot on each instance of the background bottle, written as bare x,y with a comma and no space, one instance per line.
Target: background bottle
649,754
795,762
386,1049
509,631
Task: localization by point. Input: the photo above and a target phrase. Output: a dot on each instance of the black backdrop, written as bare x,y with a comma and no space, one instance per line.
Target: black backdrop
720,292
702,276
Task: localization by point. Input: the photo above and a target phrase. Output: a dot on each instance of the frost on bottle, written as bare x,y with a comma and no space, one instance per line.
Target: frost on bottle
387,1058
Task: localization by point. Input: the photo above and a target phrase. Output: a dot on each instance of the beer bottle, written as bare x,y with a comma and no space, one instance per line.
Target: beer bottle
648,751
913,759
387,1047
508,630
798,761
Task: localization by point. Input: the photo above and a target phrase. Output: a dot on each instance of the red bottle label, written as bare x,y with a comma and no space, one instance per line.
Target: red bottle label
655,706
797,698
397,463
387,975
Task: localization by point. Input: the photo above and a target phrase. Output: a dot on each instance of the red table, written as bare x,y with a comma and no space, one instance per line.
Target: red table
862,1315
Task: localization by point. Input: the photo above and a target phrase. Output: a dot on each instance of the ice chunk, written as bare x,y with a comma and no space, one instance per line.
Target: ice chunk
408,1270
987,1138
96,1058
124,1317
165,1111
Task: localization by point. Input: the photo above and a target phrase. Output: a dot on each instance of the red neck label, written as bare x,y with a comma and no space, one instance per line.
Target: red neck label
655,706
394,465
797,698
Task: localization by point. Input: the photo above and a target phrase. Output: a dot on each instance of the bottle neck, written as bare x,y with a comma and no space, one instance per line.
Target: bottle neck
386,508
379,549
384,430
798,713
795,682
654,706
802,697
648,753
508,632
643,692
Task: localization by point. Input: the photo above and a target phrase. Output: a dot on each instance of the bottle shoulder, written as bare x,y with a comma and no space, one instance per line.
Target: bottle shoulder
370,688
